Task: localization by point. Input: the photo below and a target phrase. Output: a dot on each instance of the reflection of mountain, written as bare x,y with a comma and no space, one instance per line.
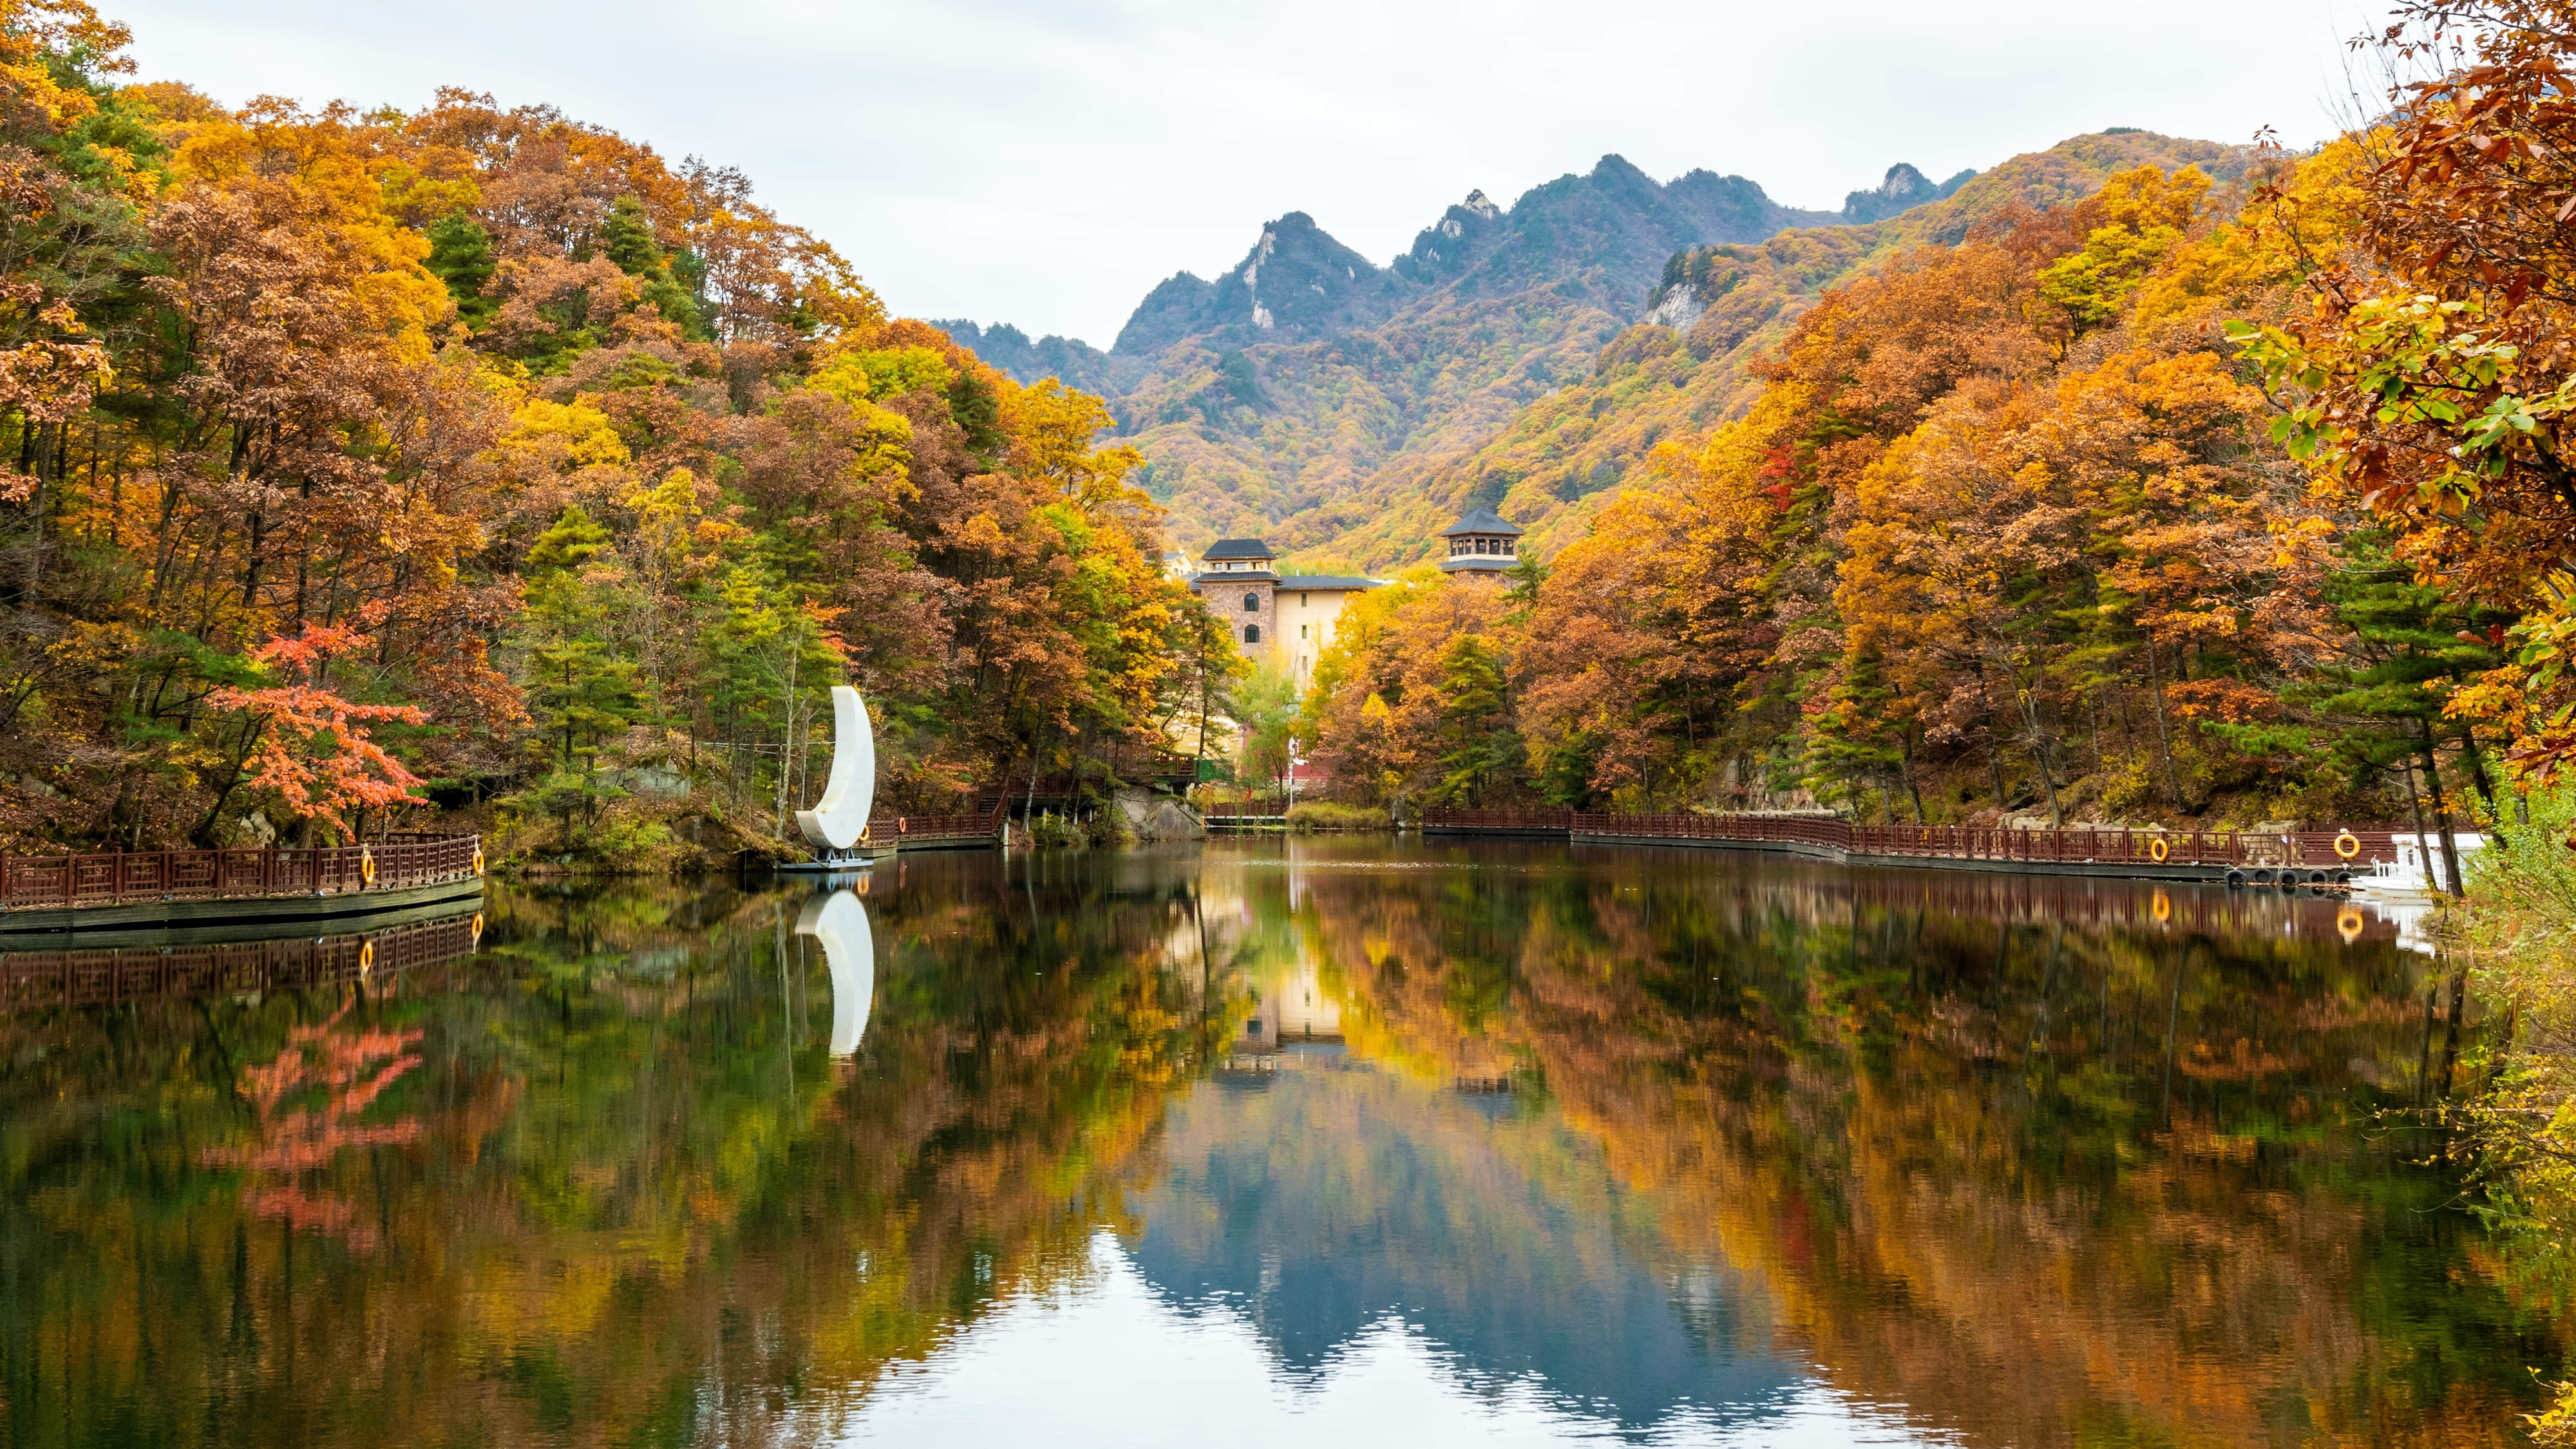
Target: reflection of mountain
1325,1197
2026,1163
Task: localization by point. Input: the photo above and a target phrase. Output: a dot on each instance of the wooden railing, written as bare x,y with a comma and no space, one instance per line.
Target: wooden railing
984,823
2318,850
1442,819
30,979
58,882
1244,810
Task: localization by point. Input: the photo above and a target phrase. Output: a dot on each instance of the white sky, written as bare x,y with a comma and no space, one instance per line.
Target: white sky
1112,1363
1045,162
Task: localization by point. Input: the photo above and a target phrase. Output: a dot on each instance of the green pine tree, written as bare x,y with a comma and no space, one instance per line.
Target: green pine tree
581,688
460,255
626,238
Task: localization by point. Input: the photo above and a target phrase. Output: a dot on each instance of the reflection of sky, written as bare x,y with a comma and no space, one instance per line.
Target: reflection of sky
1345,1194
1334,1248
1113,1362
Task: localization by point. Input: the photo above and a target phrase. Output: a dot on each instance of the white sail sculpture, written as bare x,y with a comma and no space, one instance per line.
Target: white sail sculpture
840,922
837,820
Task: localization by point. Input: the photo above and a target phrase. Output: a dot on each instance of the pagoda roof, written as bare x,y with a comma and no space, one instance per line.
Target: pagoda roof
1480,520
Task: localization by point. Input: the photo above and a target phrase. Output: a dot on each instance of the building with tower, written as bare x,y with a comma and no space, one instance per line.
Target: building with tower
1481,544
1286,619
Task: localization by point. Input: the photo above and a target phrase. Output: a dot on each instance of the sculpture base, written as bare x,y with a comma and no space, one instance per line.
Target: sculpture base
836,862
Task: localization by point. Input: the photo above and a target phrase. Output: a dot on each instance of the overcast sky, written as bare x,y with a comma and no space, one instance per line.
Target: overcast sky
1044,162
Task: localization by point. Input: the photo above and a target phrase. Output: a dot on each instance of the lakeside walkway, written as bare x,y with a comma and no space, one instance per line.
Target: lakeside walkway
170,887
2308,857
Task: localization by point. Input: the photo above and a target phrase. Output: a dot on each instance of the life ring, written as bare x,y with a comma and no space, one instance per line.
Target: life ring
2348,923
478,928
478,857
2347,845
2159,849
2162,906
366,957
366,865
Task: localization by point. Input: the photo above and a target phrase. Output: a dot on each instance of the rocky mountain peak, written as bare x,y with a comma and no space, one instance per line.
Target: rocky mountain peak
1295,281
1903,189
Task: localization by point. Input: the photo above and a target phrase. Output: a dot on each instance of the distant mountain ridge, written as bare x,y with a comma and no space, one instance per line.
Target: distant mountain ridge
1605,234
1347,411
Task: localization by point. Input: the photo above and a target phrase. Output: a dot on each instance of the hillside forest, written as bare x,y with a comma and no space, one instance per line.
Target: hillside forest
2195,501
359,465
364,466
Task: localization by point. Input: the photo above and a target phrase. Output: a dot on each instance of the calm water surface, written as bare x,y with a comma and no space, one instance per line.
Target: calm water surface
1259,1144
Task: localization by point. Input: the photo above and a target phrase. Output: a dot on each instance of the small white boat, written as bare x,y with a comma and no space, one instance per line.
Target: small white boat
2419,871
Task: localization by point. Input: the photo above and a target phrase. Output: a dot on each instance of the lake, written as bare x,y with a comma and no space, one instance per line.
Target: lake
1340,1142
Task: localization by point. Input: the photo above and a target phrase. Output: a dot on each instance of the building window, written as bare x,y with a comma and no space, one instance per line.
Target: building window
1303,601
1252,603
1251,633
1301,631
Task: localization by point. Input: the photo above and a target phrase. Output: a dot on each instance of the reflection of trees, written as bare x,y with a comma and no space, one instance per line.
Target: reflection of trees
2037,1183
293,1136
624,1195
2034,1174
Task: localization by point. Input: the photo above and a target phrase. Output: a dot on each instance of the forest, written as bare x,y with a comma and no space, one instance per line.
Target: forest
357,466
2169,505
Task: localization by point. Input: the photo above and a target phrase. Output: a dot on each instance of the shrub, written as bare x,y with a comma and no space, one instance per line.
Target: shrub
1312,815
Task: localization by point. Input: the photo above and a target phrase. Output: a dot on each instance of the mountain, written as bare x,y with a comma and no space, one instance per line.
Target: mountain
1008,348
1524,358
1904,189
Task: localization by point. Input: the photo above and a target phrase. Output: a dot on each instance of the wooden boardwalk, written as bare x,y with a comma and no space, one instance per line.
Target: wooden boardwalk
979,826
141,887
2244,857
1244,814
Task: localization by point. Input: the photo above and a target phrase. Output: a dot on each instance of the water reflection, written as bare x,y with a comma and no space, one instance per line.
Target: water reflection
1377,1145
840,923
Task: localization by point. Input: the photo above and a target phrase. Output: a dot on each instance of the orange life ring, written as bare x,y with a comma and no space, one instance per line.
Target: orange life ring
2347,845
366,865
478,857
2162,906
366,957
2159,849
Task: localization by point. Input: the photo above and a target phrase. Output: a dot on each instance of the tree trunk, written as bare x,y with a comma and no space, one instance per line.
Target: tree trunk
2164,741
2415,807
1995,768
2028,702
2477,767
1037,762
1905,754
2441,810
